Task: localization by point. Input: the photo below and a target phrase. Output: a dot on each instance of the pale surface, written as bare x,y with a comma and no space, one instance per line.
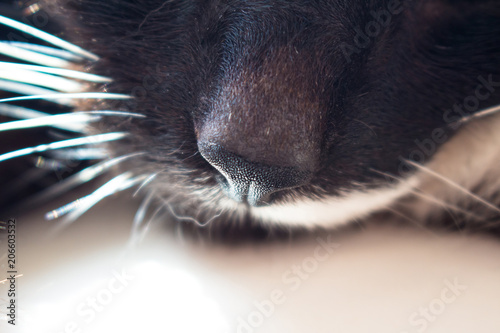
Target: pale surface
377,280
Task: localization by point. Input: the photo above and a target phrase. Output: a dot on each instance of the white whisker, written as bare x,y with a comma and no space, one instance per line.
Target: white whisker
93,139
114,113
82,117
146,182
27,89
74,211
191,219
51,51
40,79
147,225
51,39
90,200
418,192
454,185
58,119
139,218
95,170
480,114
61,211
80,154
444,204
64,96
14,111
78,179
31,56
58,71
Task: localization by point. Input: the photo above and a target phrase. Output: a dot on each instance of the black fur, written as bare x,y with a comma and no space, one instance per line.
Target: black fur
296,77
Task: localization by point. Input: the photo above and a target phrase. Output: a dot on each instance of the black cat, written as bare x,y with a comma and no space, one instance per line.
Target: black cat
306,113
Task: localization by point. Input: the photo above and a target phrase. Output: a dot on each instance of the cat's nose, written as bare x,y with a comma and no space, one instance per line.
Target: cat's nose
251,182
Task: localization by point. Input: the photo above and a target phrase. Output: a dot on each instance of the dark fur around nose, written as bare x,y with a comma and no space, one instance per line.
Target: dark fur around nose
247,181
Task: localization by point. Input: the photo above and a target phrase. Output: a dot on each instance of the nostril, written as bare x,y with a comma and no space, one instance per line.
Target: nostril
250,182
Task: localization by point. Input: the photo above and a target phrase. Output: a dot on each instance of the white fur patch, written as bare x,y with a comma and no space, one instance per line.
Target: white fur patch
333,211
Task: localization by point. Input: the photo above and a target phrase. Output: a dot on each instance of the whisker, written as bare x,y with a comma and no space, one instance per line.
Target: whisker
14,111
444,204
139,218
63,210
413,221
82,177
146,226
78,207
483,113
31,56
58,119
52,120
80,154
51,51
40,79
27,89
59,96
114,113
146,182
93,139
191,219
101,193
58,71
95,170
51,39
418,192
454,185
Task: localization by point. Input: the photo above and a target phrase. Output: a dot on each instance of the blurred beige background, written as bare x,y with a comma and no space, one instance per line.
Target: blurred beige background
378,279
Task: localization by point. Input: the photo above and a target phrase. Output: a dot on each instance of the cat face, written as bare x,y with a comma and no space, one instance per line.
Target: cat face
283,110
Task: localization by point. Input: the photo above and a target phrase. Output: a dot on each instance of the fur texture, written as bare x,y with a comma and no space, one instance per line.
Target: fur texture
344,104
